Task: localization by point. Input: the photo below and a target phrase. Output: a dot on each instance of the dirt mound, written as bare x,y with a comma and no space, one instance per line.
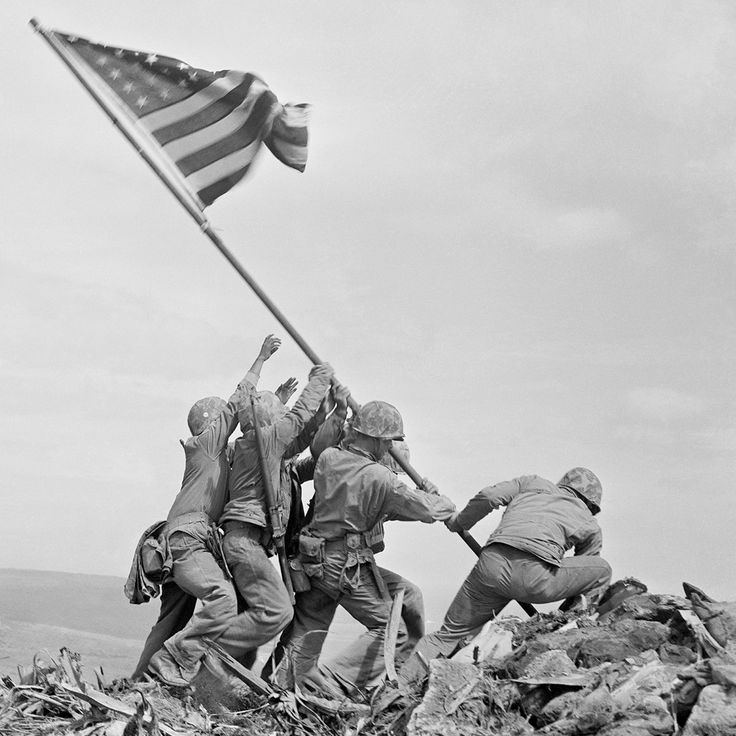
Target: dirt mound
649,664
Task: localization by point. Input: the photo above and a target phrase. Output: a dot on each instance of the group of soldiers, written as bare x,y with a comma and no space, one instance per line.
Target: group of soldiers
240,503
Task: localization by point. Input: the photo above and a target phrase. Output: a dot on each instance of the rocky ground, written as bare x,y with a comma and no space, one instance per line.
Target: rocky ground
643,663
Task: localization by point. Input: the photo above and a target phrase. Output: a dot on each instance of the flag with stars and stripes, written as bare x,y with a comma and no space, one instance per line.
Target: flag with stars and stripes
210,125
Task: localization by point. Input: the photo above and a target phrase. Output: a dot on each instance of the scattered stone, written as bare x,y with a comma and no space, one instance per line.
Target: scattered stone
714,714
654,665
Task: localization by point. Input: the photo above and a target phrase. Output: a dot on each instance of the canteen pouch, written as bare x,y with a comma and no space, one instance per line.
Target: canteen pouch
312,555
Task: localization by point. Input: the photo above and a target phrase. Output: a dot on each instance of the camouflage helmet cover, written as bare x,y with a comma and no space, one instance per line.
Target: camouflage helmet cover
586,483
387,459
268,408
379,419
203,413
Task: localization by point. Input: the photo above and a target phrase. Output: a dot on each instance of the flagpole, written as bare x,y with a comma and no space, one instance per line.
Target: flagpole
281,318
187,201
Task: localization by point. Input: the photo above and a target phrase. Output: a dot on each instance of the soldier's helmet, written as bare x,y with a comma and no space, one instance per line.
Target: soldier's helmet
586,483
203,413
387,458
268,410
380,420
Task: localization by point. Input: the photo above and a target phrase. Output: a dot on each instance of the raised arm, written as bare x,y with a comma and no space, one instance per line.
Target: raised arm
270,345
330,431
289,427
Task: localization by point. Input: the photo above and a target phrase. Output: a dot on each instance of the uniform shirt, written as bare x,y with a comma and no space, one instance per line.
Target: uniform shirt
285,438
540,518
352,493
204,487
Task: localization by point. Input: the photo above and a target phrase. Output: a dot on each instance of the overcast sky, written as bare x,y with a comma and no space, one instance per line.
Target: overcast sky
517,224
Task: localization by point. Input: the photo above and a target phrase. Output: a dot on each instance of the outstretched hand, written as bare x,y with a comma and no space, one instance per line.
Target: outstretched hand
286,390
452,524
270,345
322,370
341,394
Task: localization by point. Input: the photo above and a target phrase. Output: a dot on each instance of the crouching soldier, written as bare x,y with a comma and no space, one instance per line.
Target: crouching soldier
523,559
248,542
352,494
191,537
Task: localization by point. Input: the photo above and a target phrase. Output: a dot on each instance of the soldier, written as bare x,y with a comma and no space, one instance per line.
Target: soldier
245,521
523,558
352,494
412,610
191,537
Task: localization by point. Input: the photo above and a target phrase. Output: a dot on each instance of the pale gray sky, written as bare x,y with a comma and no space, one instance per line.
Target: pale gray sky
516,224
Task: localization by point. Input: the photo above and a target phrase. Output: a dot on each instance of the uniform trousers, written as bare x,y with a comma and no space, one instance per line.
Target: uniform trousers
268,609
177,608
197,573
503,574
362,661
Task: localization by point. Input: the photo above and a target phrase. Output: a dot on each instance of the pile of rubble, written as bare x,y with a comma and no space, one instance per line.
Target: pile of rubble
642,664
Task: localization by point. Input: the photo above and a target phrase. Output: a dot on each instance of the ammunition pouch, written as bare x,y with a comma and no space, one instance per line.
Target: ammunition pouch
312,555
374,538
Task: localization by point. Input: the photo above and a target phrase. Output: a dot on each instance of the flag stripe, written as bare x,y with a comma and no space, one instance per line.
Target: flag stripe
245,136
238,119
209,194
196,102
288,153
207,115
223,167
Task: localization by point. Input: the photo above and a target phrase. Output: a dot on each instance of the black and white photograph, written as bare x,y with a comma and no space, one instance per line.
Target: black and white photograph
368,368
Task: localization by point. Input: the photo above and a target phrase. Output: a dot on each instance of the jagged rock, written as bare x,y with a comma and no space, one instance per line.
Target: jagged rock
551,663
561,706
625,638
719,617
568,641
448,680
647,607
678,654
653,679
714,714
617,593
595,711
494,642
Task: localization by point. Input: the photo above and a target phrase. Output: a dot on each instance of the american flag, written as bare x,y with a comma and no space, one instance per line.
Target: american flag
209,124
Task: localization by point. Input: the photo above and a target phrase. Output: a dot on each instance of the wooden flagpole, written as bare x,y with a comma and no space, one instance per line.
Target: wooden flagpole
190,204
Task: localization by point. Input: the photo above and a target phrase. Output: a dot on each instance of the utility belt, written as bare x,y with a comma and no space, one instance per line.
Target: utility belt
259,534
309,563
199,526
192,517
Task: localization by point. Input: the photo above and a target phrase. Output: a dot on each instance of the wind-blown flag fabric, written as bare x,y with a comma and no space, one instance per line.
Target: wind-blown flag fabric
209,124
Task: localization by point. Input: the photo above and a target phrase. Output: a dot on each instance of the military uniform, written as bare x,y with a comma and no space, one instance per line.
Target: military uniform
353,493
247,542
522,560
192,542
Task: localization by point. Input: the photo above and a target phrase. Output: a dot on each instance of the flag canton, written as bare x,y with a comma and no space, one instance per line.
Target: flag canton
145,82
